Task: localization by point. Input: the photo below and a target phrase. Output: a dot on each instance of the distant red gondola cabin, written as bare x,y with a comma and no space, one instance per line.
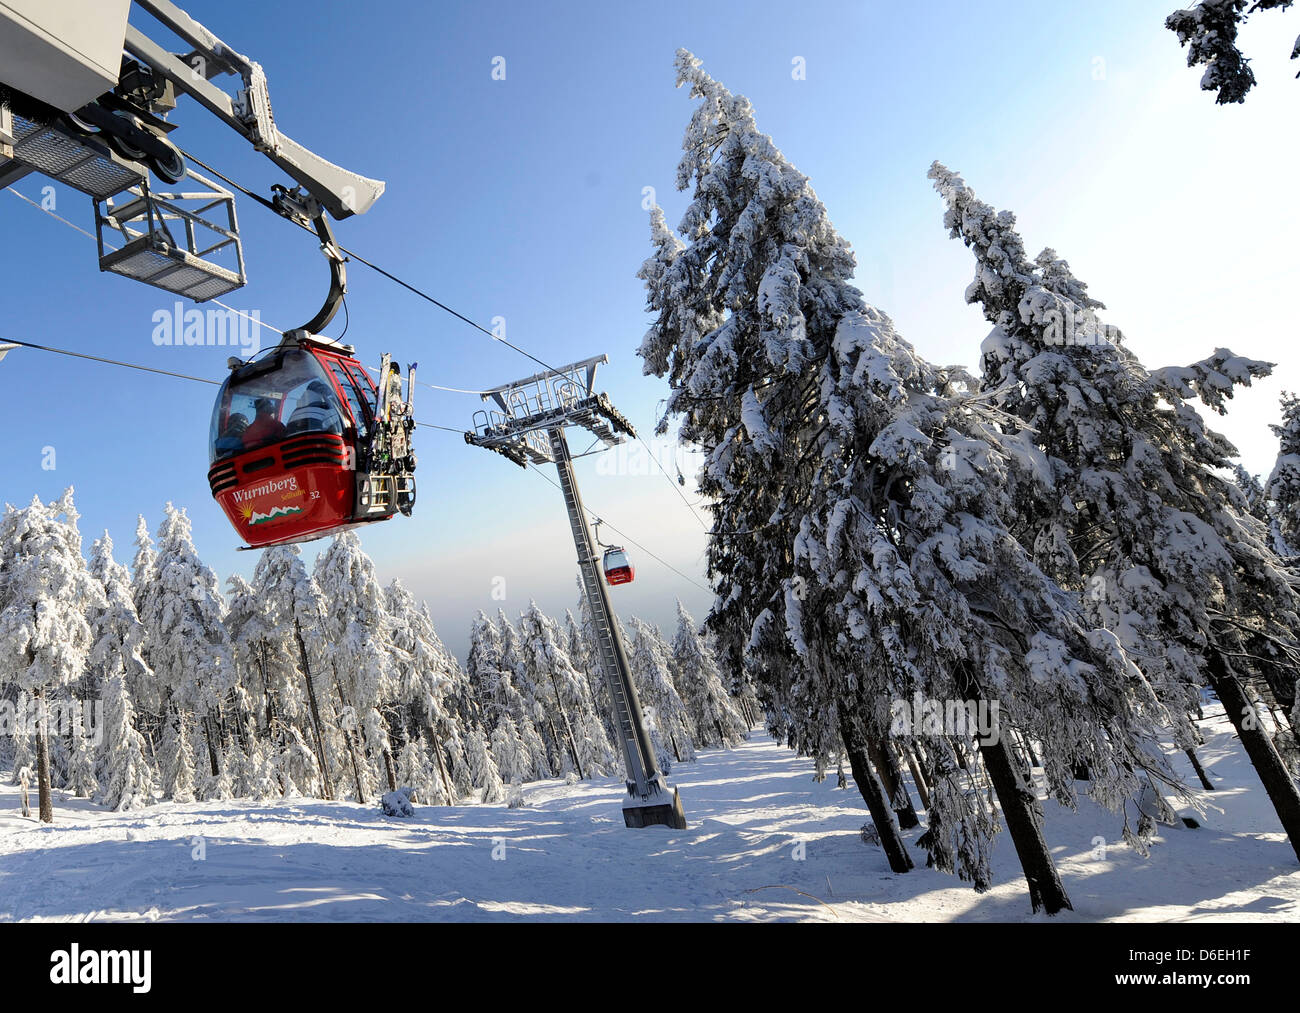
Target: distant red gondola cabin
618,568
290,442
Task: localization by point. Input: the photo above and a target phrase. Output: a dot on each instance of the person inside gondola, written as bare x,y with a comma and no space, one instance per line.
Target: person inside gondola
266,428
231,441
316,412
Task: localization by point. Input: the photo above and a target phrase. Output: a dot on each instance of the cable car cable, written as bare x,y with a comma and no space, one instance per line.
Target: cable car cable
373,266
628,538
681,495
110,362
460,316
113,249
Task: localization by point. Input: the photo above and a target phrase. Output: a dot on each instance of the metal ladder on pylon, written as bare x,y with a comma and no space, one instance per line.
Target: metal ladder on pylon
643,771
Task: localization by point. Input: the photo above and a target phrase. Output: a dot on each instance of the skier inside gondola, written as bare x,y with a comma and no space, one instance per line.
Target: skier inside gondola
232,440
316,412
266,427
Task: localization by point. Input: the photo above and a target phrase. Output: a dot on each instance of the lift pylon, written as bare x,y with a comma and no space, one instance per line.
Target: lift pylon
527,426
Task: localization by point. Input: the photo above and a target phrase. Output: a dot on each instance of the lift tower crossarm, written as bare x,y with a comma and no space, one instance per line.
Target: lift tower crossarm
343,193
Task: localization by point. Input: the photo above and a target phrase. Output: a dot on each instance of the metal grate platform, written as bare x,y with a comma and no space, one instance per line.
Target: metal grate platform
82,163
154,261
168,239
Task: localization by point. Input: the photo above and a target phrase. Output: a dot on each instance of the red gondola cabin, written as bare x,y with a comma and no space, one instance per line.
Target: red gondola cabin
618,568
293,446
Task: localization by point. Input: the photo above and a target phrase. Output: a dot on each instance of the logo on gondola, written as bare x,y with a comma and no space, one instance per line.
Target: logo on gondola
276,512
289,484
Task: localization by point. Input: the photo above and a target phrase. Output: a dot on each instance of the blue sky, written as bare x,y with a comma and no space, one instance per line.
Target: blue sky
522,198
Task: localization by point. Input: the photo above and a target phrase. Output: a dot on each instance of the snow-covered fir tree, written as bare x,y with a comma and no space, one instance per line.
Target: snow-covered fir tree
1136,515
564,693
513,759
1208,29
715,720
289,647
429,683
649,660
1283,487
182,610
359,654
125,778
46,592
485,776
544,746
859,499
415,769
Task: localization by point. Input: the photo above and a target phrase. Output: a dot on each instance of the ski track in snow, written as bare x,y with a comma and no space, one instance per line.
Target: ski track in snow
569,858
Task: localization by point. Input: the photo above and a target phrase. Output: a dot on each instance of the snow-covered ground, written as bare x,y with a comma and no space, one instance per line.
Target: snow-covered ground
765,842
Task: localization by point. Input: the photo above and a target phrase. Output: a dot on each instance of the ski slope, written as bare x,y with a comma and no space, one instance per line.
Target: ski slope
765,843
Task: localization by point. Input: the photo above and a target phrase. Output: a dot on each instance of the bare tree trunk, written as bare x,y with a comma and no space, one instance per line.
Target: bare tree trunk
266,686
315,712
1024,818
568,728
448,789
887,767
352,749
1263,754
1206,783
43,758
392,771
922,788
1023,815
212,749
891,839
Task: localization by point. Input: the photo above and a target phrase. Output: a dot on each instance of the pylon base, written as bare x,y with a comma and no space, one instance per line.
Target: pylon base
655,812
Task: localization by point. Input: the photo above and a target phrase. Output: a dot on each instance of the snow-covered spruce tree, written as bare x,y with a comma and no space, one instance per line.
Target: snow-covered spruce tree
713,343
416,769
428,679
873,561
360,653
81,780
183,612
564,691
261,739
485,776
291,653
736,682
125,778
717,722
176,758
1209,31
1283,487
548,747
514,761
500,703
148,694
24,739
1140,521
753,229
45,593
650,663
